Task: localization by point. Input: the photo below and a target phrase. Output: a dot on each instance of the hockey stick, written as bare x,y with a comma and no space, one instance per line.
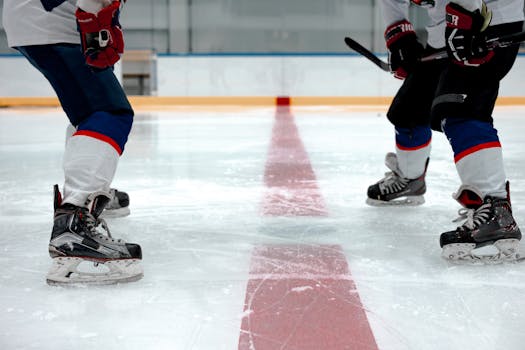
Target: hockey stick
503,41
360,49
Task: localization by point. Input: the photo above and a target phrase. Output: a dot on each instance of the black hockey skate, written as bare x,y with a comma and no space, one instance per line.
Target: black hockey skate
489,233
395,189
75,239
118,205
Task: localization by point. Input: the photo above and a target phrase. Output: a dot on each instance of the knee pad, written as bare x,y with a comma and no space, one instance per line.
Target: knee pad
108,127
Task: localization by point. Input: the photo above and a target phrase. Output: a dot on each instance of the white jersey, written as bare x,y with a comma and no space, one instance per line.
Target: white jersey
503,11
28,22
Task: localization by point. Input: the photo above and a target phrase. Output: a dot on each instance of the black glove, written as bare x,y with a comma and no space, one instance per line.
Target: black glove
464,40
404,48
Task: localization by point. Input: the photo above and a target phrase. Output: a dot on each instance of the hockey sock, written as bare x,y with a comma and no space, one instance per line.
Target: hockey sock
477,154
92,154
413,149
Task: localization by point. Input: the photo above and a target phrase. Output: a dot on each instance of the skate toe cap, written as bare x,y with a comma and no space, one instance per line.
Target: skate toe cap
134,250
373,192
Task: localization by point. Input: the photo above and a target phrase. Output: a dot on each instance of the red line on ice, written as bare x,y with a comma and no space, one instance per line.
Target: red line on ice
290,180
299,296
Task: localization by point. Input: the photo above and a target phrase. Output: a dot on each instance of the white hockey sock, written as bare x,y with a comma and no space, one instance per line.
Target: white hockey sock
89,166
412,163
70,130
484,171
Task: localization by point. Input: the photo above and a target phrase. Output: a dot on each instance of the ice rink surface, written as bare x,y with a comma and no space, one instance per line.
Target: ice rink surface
196,178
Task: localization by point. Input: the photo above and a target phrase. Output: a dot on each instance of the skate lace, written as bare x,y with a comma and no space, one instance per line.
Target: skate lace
474,217
392,183
92,223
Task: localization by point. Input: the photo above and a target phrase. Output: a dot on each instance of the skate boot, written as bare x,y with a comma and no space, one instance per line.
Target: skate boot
395,189
118,205
489,233
75,239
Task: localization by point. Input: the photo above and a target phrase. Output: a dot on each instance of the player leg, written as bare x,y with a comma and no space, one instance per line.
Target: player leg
118,205
98,108
405,184
463,111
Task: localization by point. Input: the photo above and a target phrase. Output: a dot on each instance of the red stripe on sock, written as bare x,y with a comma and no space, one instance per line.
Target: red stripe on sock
289,177
476,148
403,148
100,137
303,297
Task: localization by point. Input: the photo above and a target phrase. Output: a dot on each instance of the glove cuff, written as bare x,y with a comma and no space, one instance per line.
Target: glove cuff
460,18
398,30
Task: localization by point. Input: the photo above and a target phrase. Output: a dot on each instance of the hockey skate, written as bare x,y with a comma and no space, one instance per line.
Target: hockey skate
395,189
118,205
489,233
76,241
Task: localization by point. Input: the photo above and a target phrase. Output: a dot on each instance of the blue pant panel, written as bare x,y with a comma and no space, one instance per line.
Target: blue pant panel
82,90
114,126
464,134
413,137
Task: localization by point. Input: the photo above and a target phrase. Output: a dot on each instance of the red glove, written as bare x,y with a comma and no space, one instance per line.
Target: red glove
101,35
404,48
465,44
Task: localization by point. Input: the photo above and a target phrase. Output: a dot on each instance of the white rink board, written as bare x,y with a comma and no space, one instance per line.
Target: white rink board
250,75
272,76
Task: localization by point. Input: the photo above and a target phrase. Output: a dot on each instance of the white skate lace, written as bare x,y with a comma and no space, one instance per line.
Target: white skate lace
392,183
474,217
92,223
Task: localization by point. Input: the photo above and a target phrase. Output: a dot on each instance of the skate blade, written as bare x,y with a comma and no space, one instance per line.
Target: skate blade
408,201
67,271
502,250
115,213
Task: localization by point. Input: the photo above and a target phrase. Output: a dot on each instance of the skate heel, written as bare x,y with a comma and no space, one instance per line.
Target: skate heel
54,252
118,205
458,251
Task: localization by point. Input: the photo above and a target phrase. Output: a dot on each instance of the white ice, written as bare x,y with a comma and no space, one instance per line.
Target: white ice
195,178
